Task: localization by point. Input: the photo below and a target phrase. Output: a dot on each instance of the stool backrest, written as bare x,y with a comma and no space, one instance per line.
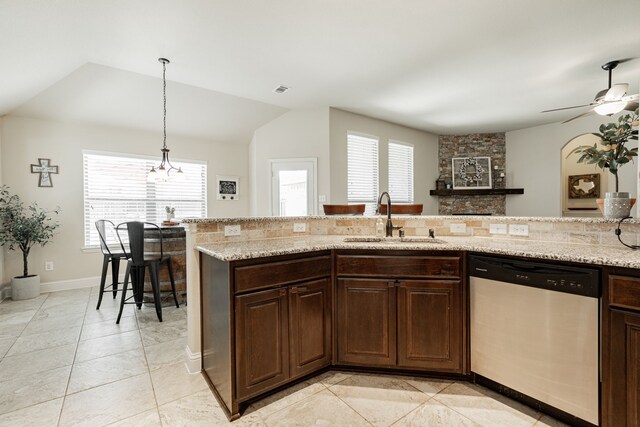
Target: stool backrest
135,236
110,241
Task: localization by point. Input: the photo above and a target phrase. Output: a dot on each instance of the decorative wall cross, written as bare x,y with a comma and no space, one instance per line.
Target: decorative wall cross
44,169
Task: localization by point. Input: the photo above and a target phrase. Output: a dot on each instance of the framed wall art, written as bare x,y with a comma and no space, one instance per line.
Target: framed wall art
45,169
584,186
471,172
227,187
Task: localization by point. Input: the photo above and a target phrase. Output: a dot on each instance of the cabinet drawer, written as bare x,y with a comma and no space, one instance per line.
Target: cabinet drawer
624,291
271,274
399,266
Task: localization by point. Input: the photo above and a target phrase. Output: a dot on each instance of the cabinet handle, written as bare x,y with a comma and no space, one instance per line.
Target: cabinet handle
283,292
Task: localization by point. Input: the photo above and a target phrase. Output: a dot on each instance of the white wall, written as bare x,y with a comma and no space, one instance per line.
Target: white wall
295,134
425,155
24,140
534,163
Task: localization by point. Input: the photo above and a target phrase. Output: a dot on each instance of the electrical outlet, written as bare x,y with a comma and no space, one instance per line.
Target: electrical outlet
458,227
48,266
518,229
299,227
498,228
322,198
232,230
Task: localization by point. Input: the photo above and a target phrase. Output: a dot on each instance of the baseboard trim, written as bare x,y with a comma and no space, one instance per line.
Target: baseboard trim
66,285
193,361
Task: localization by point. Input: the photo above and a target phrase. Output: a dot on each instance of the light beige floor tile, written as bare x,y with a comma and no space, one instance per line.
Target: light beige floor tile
108,403
174,381
33,342
163,332
287,397
148,316
166,353
36,361
36,388
12,330
10,306
108,327
434,413
5,345
321,409
60,308
96,372
430,387
202,410
381,400
146,419
107,346
53,323
485,406
106,313
547,421
17,317
332,377
44,414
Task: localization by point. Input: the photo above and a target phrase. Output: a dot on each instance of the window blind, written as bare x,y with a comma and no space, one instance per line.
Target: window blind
116,188
401,172
362,171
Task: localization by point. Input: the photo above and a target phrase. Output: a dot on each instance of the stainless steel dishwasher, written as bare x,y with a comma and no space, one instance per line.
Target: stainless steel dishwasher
534,331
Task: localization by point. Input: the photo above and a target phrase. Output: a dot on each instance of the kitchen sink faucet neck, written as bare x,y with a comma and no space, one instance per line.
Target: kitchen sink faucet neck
389,225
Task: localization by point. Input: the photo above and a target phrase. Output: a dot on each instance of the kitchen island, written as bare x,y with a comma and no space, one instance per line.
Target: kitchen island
267,279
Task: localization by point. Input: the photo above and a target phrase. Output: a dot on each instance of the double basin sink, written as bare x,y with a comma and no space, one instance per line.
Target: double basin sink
410,239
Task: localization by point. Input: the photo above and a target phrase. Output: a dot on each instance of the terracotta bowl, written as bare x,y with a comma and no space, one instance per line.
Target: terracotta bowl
344,209
402,209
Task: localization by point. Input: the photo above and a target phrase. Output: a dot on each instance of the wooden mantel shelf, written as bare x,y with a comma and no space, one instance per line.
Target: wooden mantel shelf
477,192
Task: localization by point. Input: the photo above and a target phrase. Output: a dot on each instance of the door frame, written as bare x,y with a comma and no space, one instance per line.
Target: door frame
313,189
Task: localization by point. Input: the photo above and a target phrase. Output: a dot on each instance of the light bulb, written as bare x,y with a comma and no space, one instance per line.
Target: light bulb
609,108
180,176
152,176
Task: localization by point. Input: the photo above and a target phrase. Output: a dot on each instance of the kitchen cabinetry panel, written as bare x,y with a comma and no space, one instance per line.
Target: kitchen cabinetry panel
261,341
366,322
429,325
267,275
404,266
310,326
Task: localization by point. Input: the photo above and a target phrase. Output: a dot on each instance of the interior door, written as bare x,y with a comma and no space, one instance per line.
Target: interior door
293,187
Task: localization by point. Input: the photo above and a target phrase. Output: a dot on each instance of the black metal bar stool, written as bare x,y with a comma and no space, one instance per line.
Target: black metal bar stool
113,251
139,262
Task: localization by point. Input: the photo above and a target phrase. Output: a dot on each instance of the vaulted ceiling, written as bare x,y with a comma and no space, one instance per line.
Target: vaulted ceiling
447,67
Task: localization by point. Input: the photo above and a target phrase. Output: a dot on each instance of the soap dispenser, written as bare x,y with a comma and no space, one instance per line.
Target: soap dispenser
379,227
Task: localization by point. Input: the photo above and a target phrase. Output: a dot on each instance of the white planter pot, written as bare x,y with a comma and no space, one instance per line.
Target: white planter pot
25,287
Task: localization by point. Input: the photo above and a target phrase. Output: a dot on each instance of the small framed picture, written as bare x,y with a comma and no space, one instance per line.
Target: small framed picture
228,187
584,186
471,172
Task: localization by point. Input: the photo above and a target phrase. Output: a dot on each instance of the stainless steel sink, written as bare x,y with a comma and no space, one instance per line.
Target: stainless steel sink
410,239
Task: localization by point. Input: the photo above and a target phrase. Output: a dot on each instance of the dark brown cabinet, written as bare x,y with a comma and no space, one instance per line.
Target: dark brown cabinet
393,322
621,352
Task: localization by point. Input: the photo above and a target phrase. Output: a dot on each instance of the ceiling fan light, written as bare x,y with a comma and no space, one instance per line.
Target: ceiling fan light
610,108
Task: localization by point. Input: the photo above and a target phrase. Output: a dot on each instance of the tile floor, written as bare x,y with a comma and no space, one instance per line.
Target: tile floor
62,362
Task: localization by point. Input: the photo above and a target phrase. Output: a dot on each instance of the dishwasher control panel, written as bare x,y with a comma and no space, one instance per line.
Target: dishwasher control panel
554,277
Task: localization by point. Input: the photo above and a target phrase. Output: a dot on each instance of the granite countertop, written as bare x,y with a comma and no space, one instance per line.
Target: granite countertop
581,253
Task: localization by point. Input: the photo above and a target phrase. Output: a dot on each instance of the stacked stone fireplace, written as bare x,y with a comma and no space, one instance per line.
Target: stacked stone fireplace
474,145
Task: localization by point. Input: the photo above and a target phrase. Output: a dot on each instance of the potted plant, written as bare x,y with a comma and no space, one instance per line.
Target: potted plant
23,227
612,153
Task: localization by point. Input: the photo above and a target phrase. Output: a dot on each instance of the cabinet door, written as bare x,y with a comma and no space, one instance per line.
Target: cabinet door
624,365
309,326
366,322
262,343
430,325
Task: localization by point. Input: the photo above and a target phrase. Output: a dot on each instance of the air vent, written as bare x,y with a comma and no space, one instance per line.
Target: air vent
281,89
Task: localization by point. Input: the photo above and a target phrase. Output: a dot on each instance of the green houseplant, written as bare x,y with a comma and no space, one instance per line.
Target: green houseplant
611,153
22,227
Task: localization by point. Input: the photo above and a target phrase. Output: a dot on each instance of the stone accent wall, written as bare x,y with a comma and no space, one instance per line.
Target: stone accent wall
473,145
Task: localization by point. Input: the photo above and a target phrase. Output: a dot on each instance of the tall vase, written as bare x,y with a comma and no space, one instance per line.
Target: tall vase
617,205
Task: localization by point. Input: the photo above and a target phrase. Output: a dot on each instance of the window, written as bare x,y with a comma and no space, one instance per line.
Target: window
116,188
401,172
362,171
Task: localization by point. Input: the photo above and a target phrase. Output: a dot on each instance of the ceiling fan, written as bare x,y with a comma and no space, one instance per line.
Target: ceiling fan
608,101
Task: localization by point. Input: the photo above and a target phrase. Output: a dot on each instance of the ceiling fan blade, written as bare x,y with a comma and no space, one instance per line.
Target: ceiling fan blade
578,116
566,108
630,98
616,92
631,106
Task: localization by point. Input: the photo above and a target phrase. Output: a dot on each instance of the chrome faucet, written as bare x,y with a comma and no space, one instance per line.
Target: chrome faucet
389,226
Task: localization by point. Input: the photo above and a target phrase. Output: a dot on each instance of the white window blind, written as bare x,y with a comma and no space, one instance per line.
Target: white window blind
116,188
362,171
401,172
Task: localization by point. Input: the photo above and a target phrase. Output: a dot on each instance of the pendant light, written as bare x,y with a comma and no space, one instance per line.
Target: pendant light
165,171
